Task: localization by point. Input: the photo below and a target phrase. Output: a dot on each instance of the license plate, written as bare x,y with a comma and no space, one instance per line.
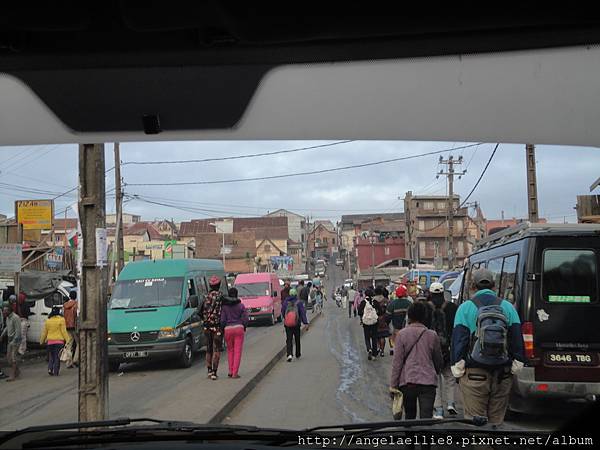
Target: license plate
571,359
139,354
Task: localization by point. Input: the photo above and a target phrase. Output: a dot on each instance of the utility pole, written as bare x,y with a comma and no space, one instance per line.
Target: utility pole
93,367
532,200
119,200
450,173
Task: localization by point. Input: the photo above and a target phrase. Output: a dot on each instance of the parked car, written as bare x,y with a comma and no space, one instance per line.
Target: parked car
42,307
339,262
261,294
550,273
153,310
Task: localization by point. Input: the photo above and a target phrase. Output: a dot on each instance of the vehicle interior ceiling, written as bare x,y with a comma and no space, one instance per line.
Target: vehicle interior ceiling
146,71
217,70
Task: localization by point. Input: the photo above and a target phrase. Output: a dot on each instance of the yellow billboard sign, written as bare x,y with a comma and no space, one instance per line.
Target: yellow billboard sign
35,214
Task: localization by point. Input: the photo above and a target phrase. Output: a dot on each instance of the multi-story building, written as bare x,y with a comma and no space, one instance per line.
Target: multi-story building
353,224
295,222
322,240
427,229
128,219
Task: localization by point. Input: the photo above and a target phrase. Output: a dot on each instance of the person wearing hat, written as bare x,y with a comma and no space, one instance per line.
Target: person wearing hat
55,335
12,329
485,388
210,311
292,330
397,309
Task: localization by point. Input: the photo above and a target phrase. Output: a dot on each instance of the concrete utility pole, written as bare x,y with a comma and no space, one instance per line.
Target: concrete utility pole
450,173
532,200
93,366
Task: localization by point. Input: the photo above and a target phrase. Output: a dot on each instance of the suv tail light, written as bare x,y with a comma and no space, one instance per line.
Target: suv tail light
527,329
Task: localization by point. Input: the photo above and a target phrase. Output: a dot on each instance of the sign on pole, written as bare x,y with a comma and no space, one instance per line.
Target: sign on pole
225,250
11,256
35,214
101,247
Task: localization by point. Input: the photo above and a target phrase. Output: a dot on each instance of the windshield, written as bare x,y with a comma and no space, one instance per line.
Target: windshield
253,289
146,292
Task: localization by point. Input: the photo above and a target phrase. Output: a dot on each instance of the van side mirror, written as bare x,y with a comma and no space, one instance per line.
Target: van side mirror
193,301
274,294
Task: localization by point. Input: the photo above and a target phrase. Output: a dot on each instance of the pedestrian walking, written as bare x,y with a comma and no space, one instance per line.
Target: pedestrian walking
358,298
421,298
485,377
383,320
319,298
234,320
442,323
351,295
23,310
294,314
416,363
70,312
12,329
397,309
304,293
285,291
367,311
54,335
210,311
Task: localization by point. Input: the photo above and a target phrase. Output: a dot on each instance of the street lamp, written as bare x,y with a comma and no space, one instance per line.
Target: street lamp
223,245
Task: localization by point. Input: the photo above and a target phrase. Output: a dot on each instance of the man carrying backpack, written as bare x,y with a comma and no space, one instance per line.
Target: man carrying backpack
294,314
397,309
367,311
442,322
487,349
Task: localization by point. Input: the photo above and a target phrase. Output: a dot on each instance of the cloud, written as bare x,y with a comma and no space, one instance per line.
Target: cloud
563,173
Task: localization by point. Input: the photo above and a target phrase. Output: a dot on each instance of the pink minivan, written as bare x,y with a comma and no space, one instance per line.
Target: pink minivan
261,295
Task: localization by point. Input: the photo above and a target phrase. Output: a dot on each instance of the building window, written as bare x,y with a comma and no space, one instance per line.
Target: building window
422,225
427,205
267,248
333,241
459,225
460,248
442,205
324,240
386,251
422,249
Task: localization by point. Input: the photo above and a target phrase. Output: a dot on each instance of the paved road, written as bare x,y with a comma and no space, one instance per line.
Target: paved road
158,390
333,382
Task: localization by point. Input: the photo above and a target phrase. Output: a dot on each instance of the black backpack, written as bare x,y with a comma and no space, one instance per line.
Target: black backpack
440,326
489,344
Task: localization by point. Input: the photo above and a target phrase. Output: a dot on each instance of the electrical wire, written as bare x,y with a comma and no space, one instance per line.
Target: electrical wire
297,174
228,158
470,193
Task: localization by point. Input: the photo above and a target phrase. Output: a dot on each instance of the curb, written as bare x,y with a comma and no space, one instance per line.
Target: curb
225,410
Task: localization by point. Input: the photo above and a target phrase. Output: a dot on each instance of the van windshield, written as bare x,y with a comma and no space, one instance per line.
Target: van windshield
253,289
570,276
146,293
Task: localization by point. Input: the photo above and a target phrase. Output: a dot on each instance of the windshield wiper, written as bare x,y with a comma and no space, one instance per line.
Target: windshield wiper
100,432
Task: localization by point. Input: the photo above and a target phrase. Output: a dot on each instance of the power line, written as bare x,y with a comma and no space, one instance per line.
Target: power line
472,190
480,176
297,174
228,158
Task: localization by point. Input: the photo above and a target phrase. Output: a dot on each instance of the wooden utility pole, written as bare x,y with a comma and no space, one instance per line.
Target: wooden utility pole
532,200
93,368
451,162
119,200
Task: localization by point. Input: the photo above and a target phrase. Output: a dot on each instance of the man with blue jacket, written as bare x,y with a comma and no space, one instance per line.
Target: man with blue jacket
485,385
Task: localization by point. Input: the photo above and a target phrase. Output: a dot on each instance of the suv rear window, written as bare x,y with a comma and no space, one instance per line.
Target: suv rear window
570,276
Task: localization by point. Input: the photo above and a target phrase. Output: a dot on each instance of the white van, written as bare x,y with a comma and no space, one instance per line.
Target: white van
41,309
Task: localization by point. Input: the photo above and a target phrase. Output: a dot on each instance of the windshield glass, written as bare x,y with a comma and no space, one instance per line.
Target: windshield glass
253,289
146,292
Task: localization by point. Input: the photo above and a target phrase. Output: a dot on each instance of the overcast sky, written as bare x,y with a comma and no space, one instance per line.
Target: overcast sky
562,174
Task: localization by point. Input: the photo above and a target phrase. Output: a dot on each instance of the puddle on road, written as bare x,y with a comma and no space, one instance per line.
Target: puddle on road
354,391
